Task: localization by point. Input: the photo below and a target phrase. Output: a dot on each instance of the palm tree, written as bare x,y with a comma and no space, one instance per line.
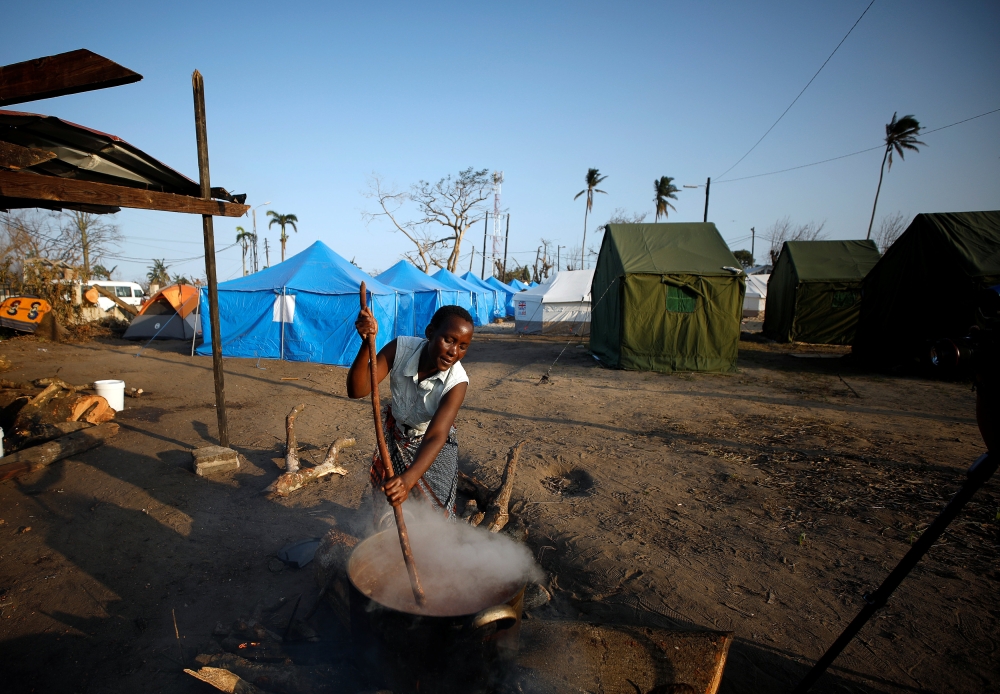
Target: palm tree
158,274
282,220
664,191
245,239
899,135
593,179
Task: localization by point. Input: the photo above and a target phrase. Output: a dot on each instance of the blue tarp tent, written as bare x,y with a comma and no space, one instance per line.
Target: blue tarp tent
507,292
493,297
470,293
303,310
428,294
519,285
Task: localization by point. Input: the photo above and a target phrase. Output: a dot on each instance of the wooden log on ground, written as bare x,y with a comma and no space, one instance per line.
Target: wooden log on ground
275,677
290,481
291,445
42,397
37,457
43,382
48,432
472,487
224,681
496,511
67,406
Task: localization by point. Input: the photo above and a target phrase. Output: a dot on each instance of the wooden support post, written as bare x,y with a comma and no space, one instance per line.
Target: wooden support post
198,85
708,189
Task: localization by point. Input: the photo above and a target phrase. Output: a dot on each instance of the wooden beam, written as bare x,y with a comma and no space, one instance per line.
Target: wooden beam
17,157
37,457
58,75
201,134
121,304
53,189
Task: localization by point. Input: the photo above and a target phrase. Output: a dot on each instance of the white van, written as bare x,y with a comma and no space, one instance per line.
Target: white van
127,292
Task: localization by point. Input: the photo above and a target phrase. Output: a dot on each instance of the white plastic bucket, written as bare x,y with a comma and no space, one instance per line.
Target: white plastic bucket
112,391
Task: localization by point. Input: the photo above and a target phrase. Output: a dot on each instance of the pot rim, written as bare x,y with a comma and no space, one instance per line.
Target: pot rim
377,537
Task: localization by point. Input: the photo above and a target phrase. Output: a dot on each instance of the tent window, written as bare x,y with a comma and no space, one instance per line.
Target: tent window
844,299
680,299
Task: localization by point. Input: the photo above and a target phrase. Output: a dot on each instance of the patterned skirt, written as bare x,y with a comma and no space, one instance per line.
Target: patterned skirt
438,486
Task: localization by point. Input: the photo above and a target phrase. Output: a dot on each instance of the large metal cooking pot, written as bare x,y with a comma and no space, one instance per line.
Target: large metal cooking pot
412,652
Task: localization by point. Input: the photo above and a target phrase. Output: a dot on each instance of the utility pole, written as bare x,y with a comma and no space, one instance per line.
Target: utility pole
267,253
486,220
558,259
708,187
506,237
201,130
753,238
472,258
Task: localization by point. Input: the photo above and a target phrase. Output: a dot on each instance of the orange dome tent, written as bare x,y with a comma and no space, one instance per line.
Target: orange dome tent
168,315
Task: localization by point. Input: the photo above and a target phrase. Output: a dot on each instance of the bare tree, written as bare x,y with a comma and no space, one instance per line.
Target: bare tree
623,216
889,229
90,236
453,203
391,202
784,230
543,263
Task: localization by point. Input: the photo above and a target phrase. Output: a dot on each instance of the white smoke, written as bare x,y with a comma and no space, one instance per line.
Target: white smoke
463,569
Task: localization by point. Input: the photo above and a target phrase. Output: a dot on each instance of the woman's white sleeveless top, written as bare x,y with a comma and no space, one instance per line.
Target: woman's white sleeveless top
414,402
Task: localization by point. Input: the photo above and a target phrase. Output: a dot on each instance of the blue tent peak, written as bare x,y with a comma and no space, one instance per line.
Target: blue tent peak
475,281
318,269
453,281
403,275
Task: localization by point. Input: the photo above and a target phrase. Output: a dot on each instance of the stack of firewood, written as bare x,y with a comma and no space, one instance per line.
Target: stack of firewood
47,420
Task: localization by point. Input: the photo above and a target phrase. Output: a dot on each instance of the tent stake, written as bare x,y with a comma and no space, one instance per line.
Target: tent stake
201,129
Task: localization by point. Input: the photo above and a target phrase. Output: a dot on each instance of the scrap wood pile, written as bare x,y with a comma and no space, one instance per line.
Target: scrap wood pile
47,420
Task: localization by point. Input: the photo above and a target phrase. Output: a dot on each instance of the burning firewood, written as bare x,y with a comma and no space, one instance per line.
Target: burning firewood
294,477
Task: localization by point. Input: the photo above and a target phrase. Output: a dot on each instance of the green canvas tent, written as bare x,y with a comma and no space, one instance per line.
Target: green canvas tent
926,285
814,292
666,297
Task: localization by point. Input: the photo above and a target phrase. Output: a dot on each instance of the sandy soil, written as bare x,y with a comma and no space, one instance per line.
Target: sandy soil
763,502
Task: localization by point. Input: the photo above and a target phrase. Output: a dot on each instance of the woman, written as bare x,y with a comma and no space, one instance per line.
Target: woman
428,385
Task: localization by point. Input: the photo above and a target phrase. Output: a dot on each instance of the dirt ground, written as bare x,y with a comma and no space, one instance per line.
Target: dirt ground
764,502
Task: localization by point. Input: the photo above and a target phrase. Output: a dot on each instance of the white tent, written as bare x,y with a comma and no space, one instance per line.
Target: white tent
559,306
756,296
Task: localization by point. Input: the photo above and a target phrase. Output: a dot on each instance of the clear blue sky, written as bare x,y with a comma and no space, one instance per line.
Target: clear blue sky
305,99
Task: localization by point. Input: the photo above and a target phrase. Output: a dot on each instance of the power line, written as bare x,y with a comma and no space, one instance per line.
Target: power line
861,151
800,93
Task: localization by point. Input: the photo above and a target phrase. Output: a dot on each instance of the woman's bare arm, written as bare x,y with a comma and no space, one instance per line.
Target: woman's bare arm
436,436
358,376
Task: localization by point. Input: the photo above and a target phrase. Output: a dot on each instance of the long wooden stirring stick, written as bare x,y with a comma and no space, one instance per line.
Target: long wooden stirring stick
383,451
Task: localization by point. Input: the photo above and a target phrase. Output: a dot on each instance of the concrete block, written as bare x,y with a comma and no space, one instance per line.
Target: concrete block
213,459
